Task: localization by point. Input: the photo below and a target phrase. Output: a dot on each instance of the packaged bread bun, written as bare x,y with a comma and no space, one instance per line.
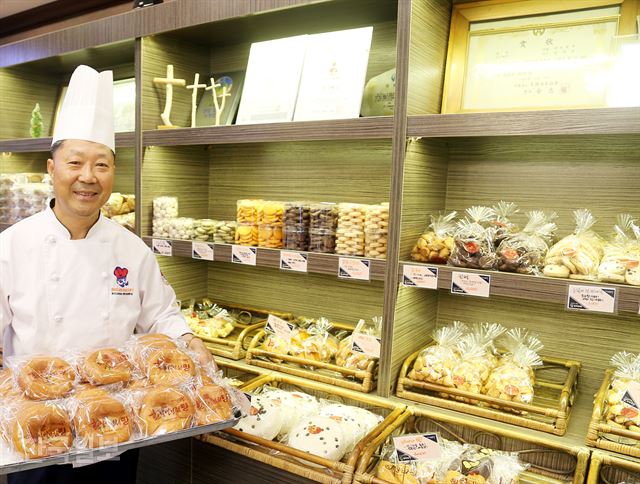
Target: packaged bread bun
436,243
321,345
479,465
503,225
578,255
435,363
524,252
473,245
621,260
622,399
346,356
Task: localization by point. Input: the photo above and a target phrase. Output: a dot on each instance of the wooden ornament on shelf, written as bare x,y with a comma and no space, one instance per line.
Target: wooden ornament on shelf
194,97
168,82
219,105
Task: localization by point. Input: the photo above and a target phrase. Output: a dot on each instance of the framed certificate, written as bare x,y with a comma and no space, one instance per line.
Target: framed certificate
530,54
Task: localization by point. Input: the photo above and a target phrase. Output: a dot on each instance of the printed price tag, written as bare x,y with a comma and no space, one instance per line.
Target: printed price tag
279,327
470,284
417,448
202,250
162,247
242,254
420,276
591,298
293,261
349,268
367,344
631,400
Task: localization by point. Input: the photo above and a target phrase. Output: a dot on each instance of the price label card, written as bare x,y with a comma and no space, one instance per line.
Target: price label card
591,298
202,250
367,344
349,268
420,276
242,254
293,261
417,448
279,327
162,247
470,284
631,397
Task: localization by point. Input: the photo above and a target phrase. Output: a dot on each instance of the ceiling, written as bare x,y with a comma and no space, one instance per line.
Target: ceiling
11,7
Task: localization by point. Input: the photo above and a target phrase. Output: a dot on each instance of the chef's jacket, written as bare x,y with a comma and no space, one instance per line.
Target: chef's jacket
58,294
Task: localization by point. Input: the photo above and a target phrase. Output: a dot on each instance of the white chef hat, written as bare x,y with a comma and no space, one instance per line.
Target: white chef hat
87,108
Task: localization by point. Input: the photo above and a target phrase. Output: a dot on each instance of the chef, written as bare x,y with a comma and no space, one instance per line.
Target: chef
72,278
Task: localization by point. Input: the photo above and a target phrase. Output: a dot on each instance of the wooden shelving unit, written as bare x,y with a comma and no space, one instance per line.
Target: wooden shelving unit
28,145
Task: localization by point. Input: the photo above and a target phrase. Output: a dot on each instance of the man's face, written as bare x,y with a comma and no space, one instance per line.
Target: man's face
82,174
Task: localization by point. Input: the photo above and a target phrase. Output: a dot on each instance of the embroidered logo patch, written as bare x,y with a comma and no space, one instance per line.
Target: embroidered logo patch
121,280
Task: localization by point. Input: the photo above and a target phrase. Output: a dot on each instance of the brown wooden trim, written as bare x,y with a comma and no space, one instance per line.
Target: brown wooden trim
52,12
27,145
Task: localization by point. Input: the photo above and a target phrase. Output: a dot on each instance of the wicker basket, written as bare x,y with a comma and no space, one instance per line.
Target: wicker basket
235,345
555,391
241,375
609,469
301,463
605,436
548,462
353,379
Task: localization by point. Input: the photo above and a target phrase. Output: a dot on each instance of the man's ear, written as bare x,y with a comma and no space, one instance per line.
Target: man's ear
50,167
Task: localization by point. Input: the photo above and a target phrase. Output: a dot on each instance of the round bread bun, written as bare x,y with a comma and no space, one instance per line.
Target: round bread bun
101,420
46,378
170,367
41,430
213,404
164,410
106,366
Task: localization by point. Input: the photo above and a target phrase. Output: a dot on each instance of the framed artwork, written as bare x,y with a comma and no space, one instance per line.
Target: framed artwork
507,55
206,112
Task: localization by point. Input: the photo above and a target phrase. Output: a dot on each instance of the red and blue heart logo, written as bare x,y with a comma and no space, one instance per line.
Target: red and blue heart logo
121,276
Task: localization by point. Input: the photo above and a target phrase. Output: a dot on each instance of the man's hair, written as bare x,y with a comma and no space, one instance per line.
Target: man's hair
56,146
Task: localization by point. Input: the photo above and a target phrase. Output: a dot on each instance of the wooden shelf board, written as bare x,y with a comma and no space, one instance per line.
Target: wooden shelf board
26,145
535,288
317,263
342,129
551,122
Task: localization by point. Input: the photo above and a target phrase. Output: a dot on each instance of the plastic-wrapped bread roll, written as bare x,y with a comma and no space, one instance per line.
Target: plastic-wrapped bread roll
436,243
350,231
577,255
622,408
376,230
621,260
348,358
473,240
435,363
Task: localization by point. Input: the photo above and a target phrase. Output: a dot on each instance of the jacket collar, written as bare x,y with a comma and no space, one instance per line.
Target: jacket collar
57,229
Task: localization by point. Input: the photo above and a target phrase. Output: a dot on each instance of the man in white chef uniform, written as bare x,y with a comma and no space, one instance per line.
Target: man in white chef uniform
72,278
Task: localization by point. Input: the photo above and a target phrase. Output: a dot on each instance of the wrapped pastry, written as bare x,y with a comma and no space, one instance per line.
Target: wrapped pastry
577,255
621,260
275,344
296,345
524,252
622,409
503,226
435,363
479,465
321,345
476,363
348,358
435,245
473,240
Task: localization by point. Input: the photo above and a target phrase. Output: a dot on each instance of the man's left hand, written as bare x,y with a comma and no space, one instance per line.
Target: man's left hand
197,346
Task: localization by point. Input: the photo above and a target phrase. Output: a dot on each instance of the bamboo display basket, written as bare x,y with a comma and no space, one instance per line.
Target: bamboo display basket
606,436
309,466
353,379
609,469
250,321
549,462
554,394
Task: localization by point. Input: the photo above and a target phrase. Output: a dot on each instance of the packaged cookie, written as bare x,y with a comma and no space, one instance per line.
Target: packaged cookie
165,207
246,234
271,213
435,363
346,356
524,252
296,237
270,236
203,229
321,345
436,243
297,214
323,215
503,226
247,211
473,240
350,231
578,255
224,232
376,230
322,241
182,228
622,253
623,405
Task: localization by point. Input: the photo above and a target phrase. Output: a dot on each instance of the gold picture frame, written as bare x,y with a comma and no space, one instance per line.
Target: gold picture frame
485,24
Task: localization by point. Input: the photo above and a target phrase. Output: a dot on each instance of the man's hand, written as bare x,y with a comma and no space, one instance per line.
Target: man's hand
197,346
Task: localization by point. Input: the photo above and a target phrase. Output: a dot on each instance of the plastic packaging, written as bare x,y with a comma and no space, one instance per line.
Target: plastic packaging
270,236
578,255
224,232
43,377
503,225
346,357
297,405
247,211
162,409
355,422
473,240
320,436
524,252
165,207
203,229
436,243
621,261
182,228
321,345
350,231
266,418
297,214
106,366
296,237
271,213
622,408
246,234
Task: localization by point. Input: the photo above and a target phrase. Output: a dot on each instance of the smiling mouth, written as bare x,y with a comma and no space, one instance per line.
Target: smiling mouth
84,195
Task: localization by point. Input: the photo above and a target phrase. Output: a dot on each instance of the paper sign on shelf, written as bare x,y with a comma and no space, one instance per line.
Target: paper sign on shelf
349,268
202,250
242,254
631,397
162,247
279,327
293,261
420,276
470,284
367,344
417,448
592,298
